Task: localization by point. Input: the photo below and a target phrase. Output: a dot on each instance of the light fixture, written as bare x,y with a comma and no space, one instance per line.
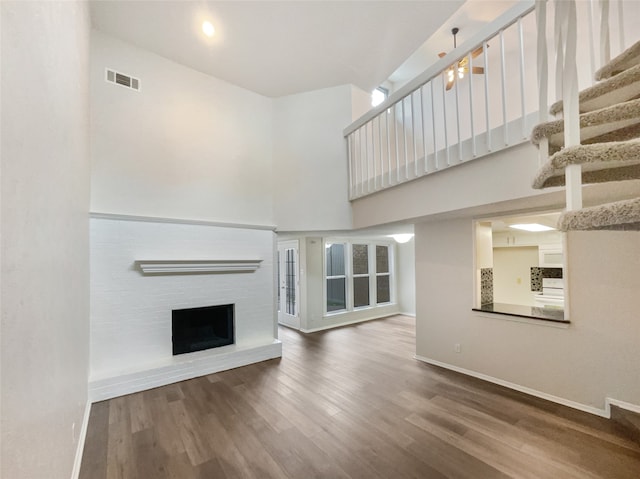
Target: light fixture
402,238
207,28
531,227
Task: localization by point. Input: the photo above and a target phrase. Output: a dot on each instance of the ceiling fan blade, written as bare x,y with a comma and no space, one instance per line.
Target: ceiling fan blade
441,54
478,51
449,85
477,70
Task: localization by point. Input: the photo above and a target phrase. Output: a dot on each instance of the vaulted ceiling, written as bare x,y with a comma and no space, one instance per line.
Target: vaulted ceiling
279,48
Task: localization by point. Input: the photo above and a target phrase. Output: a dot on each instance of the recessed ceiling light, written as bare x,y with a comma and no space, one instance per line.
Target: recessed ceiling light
531,227
208,29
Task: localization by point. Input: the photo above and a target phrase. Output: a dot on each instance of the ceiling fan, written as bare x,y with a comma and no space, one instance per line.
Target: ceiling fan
462,67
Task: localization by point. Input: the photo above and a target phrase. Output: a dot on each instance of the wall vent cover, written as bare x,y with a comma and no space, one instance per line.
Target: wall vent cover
121,79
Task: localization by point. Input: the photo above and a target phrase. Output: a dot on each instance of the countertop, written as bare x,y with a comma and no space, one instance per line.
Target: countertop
533,312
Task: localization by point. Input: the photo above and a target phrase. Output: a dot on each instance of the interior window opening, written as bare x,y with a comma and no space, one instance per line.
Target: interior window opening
520,266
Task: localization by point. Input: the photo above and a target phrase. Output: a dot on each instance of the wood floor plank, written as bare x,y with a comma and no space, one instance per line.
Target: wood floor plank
349,403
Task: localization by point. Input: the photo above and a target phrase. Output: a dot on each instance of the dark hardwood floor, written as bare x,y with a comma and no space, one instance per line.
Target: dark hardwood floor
349,403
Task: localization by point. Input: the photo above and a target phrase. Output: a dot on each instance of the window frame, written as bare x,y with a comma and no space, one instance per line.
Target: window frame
388,274
344,276
349,275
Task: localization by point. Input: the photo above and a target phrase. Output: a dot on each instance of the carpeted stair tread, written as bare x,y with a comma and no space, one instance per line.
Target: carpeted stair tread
627,59
621,215
618,89
605,121
601,162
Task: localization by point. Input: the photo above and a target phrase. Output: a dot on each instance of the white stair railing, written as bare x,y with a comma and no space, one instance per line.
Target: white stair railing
566,75
424,128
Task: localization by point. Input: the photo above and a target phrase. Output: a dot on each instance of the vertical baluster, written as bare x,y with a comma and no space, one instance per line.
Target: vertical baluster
573,173
386,121
455,86
605,37
485,46
395,135
381,150
503,70
350,156
473,131
413,132
360,175
373,155
424,129
592,48
620,27
543,74
522,80
559,46
444,110
404,139
433,126
366,155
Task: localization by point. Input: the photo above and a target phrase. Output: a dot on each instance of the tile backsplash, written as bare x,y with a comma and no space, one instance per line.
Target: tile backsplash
538,273
486,285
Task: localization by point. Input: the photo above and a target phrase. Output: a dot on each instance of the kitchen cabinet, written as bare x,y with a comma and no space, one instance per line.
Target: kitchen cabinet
550,256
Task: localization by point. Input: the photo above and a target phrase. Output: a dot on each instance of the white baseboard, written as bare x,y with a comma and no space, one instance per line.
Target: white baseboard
127,383
411,315
621,404
532,392
75,473
346,323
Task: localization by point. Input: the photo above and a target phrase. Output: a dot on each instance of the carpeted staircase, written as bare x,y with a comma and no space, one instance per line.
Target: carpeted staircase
610,144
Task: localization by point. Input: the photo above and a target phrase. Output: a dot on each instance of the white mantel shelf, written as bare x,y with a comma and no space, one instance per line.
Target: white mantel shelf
185,266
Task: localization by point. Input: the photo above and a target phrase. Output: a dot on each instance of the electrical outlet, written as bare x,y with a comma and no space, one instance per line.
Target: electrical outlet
457,348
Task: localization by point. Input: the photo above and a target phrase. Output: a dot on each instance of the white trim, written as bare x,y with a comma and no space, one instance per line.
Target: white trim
75,472
346,323
608,402
198,266
192,365
517,387
178,221
411,315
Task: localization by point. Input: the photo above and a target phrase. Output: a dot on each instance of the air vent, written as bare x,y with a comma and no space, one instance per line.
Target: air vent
121,79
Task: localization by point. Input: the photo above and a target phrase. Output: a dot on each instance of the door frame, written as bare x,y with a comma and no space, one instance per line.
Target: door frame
292,321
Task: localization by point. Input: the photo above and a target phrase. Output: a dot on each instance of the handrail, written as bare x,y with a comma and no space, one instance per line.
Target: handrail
488,31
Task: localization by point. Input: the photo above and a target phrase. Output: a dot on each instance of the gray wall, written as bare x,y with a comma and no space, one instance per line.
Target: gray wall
593,358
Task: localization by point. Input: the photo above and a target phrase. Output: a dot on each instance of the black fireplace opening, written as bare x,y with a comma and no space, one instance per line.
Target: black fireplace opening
196,329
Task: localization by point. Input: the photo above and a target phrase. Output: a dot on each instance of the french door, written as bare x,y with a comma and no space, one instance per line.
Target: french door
288,284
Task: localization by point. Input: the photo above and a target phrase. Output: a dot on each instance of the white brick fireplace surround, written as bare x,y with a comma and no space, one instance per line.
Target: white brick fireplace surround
131,311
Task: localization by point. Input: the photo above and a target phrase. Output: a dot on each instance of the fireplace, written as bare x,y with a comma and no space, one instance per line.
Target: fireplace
196,329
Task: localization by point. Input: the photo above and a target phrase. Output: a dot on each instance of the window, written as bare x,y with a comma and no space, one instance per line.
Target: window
358,275
336,275
360,258
379,95
383,275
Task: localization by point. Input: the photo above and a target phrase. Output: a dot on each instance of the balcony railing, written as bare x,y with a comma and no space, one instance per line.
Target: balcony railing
425,127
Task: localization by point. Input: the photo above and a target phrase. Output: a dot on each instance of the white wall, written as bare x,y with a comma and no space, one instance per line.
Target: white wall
406,274
310,160
512,274
595,357
45,243
131,312
186,146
